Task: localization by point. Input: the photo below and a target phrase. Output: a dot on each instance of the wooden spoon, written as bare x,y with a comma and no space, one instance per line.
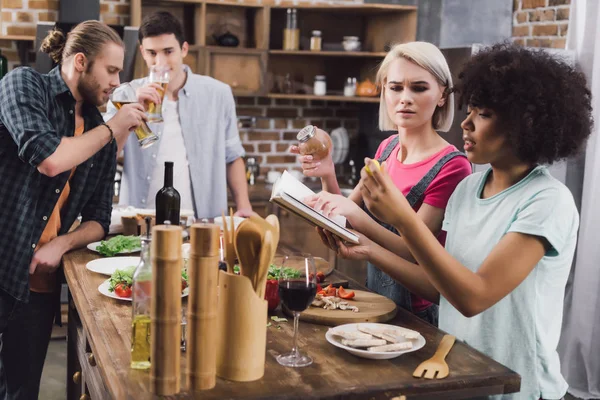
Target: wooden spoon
247,241
266,256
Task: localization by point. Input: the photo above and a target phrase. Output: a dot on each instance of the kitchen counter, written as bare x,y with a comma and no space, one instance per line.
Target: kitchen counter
99,343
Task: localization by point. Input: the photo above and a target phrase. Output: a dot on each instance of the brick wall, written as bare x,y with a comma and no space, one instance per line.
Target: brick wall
268,127
114,12
541,23
19,17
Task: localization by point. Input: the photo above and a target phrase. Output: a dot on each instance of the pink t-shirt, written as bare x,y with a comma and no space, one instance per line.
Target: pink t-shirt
437,194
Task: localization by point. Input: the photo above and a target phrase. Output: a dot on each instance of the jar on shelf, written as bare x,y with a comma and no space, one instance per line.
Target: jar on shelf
320,86
350,87
315,41
313,141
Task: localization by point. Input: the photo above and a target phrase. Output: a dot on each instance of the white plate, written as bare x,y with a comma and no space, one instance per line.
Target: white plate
236,221
103,288
93,247
107,266
337,341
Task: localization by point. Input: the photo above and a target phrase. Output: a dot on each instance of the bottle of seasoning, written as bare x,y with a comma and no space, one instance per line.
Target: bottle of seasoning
291,33
141,306
315,41
313,141
320,85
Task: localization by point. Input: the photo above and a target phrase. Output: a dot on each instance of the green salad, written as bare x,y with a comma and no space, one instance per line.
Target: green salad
275,271
119,244
125,276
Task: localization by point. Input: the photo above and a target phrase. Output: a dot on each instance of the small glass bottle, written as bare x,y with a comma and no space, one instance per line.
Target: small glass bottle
313,141
350,87
141,306
315,41
3,66
320,85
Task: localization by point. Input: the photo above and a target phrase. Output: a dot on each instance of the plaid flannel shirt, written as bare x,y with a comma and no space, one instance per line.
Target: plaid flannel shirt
36,111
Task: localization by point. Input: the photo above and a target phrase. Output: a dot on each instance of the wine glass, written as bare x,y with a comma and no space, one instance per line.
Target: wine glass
297,291
125,94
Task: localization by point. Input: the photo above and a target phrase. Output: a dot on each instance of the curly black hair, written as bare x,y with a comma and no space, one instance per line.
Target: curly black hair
543,103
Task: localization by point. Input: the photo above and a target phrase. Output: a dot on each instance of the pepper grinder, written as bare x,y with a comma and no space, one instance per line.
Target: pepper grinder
203,269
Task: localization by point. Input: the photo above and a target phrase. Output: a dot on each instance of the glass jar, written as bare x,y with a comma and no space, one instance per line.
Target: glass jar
320,86
350,87
313,141
315,41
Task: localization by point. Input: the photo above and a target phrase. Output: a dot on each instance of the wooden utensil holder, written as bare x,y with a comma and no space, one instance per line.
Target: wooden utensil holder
242,330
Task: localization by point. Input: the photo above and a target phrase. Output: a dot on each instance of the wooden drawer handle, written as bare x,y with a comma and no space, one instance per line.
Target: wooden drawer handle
84,397
92,360
77,377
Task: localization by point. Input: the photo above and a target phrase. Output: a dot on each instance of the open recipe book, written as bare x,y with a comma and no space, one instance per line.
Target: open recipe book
288,193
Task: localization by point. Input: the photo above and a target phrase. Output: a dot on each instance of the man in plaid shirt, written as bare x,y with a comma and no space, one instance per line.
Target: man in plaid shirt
57,161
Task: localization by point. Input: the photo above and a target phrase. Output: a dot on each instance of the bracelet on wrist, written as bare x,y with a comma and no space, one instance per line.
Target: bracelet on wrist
112,134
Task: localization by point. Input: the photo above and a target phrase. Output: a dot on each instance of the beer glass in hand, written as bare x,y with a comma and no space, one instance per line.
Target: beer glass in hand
161,76
297,291
124,94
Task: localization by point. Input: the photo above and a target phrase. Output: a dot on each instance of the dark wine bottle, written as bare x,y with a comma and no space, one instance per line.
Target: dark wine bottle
168,201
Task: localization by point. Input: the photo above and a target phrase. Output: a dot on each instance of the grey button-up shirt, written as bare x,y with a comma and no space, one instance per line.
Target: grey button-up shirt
209,127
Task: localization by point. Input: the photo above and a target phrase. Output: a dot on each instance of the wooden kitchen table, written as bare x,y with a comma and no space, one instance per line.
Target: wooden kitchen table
99,354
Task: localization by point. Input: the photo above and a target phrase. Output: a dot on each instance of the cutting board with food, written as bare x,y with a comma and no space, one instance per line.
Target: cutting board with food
337,306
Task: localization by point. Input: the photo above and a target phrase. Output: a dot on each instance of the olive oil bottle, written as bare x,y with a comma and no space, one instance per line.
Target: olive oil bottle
141,303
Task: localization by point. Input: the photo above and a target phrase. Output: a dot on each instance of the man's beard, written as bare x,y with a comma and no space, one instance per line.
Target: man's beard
89,89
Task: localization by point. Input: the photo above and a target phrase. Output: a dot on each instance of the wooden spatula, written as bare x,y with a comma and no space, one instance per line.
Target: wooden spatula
436,367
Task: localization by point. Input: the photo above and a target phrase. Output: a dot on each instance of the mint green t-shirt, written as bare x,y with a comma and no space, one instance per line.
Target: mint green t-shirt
521,331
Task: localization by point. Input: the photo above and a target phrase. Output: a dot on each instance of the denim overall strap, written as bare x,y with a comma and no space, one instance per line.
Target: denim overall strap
416,192
379,281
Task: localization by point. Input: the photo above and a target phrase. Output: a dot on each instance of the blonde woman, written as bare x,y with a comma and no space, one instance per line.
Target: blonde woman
416,102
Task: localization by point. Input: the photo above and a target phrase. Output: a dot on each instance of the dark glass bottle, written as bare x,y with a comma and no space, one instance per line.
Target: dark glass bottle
3,66
168,201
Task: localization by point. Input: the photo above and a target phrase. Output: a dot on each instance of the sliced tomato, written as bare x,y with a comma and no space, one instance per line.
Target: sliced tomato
320,276
319,288
342,294
330,290
184,284
122,290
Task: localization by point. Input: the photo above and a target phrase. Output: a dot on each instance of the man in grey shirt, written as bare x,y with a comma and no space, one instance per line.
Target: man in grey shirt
199,133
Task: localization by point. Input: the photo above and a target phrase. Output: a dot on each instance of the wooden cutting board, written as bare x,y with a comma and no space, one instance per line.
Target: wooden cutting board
372,308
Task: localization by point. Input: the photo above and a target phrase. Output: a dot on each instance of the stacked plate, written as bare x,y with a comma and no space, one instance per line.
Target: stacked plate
341,145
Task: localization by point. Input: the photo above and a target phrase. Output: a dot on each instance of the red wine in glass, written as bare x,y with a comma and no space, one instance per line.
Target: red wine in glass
297,295
296,292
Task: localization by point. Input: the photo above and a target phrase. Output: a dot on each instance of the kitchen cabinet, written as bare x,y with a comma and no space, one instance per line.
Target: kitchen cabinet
261,55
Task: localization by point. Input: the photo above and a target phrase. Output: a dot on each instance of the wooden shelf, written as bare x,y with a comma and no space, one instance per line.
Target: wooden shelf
329,53
23,38
336,7
354,99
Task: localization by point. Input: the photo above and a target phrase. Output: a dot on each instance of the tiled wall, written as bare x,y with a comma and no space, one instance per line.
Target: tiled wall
541,23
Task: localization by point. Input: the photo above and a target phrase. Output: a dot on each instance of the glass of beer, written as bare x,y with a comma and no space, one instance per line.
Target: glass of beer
160,75
124,94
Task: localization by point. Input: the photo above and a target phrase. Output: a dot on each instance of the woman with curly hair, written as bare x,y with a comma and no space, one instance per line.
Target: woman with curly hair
511,230
416,102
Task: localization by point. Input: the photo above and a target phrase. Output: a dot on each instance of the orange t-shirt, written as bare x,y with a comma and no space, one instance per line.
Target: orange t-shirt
42,282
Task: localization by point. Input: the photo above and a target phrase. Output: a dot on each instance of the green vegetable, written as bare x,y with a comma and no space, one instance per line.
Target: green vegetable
126,276
121,276
119,244
274,271
287,272
277,319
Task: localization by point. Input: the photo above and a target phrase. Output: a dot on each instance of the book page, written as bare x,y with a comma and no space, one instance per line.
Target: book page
293,187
